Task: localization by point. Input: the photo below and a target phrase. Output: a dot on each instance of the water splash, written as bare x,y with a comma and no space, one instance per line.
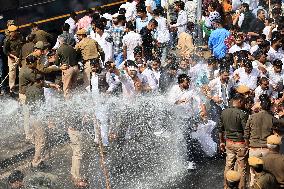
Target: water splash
140,158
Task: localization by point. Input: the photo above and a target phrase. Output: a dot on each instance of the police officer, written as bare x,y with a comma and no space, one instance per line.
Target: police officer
12,48
90,51
37,54
273,161
259,127
263,180
34,93
232,124
41,35
67,59
26,78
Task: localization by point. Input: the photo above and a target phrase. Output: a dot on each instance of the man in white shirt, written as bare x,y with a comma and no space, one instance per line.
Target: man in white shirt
150,6
261,63
155,67
149,74
72,23
182,17
190,108
133,83
246,75
275,51
276,76
240,45
260,40
130,41
142,19
218,92
102,38
264,88
99,86
184,97
130,8
220,88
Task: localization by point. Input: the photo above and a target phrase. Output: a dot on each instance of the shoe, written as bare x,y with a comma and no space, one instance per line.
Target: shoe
80,183
40,167
12,94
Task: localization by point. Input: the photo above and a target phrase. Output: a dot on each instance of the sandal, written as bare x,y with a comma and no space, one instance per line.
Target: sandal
80,183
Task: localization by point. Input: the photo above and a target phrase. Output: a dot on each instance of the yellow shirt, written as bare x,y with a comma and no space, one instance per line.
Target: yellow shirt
89,48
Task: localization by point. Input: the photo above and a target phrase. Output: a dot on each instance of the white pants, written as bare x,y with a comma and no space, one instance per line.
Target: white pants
102,116
49,94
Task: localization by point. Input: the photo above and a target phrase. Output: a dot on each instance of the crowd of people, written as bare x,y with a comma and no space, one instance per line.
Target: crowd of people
224,65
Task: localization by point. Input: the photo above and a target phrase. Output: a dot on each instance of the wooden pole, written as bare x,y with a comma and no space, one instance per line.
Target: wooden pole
269,8
101,150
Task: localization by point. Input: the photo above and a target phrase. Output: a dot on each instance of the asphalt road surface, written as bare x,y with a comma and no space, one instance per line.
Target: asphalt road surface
135,172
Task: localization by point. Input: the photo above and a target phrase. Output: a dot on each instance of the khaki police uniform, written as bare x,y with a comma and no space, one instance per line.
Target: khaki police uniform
274,162
41,35
262,180
12,46
66,55
232,124
90,50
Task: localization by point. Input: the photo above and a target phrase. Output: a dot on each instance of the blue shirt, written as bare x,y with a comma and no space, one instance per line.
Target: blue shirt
158,3
217,42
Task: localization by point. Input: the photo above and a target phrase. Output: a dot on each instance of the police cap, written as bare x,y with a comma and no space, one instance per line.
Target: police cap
233,176
81,32
242,89
255,161
39,45
12,28
274,140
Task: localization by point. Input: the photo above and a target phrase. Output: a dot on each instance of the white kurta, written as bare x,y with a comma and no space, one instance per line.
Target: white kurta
131,40
106,46
181,22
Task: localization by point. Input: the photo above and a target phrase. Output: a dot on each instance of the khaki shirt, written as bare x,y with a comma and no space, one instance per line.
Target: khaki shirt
42,68
26,78
89,49
232,123
13,46
66,54
274,164
259,127
27,49
265,181
43,36
185,45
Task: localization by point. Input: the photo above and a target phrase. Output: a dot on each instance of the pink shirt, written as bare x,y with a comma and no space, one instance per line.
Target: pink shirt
84,23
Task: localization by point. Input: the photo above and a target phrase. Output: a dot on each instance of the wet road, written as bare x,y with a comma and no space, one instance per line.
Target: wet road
207,175
142,161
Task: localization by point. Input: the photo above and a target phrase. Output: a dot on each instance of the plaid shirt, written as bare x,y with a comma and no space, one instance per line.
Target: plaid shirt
117,34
